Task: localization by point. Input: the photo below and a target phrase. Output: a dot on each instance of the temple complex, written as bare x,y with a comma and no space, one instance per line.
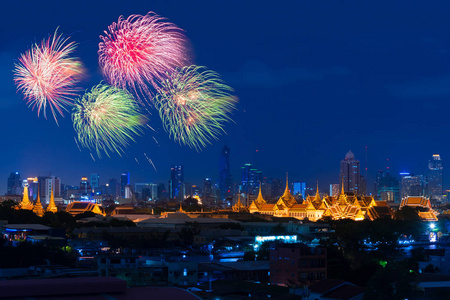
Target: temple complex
344,206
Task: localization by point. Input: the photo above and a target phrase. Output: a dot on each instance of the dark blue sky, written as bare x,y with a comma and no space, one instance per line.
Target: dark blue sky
314,78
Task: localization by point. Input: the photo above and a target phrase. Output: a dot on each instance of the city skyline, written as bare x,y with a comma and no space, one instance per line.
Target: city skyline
310,90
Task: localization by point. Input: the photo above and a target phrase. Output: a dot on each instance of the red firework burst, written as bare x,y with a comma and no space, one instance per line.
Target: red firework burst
140,50
47,74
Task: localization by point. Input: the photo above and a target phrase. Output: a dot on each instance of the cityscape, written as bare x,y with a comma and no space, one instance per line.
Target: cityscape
203,150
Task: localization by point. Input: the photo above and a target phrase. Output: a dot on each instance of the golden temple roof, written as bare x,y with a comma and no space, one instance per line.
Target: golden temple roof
38,209
26,203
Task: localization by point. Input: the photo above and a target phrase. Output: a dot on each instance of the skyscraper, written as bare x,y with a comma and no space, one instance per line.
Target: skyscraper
435,177
349,174
412,185
250,179
176,187
124,181
95,181
14,186
225,181
207,188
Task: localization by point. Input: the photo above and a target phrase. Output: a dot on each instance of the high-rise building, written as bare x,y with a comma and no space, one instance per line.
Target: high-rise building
113,188
207,188
124,181
225,181
95,181
434,177
14,186
250,179
411,185
299,189
146,191
334,189
349,174
176,187
46,184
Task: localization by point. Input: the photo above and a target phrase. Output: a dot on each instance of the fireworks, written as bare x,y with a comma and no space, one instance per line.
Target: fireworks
106,119
193,104
47,75
139,50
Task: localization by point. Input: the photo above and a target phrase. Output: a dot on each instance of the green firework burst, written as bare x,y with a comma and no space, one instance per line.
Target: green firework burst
106,119
194,103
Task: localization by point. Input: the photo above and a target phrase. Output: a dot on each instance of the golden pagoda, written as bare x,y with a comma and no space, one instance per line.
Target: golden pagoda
258,202
26,203
238,206
38,209
52,206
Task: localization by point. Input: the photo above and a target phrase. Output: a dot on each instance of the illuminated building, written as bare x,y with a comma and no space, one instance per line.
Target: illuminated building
349,173
420,202
124,181
207,188
435,177
77,207
411,185
300,189
95,181
176,187
14,184
342,206
250,179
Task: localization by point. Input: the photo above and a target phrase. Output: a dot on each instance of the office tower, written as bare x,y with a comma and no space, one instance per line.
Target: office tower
14,186
146,191
95,181
225,181
349,174
250,179
162,192
435,177
46,183
334,189
124,181
207,188
113,188
299,188
411,185
32,187
176,187
84,185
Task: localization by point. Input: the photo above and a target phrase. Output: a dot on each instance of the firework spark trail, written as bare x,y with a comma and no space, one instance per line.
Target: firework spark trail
140,50
151,162
107,119
47,75
194,103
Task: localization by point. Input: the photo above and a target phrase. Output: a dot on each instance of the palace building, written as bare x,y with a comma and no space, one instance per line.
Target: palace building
343,206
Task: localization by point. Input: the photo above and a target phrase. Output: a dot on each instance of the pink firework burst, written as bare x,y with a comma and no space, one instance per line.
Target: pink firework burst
47,75
141,50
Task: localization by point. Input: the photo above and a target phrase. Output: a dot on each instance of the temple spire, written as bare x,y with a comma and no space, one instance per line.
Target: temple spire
52,205
317,197
38,209
26,203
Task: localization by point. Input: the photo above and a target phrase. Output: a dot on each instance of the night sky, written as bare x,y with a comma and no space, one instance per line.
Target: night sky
314,78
